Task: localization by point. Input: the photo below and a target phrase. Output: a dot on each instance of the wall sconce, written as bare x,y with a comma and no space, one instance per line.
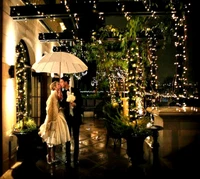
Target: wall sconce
11,71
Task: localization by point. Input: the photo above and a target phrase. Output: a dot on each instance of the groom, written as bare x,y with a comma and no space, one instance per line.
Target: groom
73,119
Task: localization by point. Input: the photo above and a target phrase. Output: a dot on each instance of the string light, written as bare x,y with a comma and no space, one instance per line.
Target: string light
21,103
180,34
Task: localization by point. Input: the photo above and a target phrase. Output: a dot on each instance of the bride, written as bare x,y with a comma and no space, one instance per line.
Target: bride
54,131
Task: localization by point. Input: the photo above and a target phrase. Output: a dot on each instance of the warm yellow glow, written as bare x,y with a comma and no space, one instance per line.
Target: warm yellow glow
9,103
62,25
149,124
38,51
125,106
10,45
17,164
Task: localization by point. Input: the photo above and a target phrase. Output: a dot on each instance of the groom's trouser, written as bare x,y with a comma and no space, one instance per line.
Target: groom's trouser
74,130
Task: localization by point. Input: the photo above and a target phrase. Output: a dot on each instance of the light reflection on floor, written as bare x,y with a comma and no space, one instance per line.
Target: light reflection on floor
96,160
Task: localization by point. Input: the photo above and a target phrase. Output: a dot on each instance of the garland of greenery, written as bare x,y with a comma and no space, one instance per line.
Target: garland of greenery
21,82
24,122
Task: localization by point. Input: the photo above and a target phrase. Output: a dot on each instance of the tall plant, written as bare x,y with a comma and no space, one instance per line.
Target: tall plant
135,49
125,55
105,49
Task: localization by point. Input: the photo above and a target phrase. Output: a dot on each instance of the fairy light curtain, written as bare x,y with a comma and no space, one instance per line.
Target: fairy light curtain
179,12
152,42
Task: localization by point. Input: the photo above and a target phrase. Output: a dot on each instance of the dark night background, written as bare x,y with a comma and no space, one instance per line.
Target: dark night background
166,57
193,42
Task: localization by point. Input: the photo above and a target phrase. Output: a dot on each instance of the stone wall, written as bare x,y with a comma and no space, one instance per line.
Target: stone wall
12,33
181,128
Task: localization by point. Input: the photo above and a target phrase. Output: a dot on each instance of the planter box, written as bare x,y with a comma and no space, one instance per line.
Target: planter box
181,128
27,145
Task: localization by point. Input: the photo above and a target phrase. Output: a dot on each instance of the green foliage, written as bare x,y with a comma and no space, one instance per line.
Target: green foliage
105,50
91,96
122,125
78,49
126,49
25,125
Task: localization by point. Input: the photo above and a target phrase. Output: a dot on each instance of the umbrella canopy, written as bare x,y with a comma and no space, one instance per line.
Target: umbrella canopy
60,62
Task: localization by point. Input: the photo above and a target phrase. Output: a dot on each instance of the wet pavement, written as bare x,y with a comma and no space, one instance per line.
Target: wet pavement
96,160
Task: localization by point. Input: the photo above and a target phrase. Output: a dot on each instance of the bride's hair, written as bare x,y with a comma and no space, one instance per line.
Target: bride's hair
53,85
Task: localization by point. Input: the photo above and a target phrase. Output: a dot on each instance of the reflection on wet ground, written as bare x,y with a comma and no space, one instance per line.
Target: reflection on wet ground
100,161
96,159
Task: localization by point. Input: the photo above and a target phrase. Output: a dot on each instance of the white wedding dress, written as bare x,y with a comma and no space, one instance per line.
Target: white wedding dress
54,130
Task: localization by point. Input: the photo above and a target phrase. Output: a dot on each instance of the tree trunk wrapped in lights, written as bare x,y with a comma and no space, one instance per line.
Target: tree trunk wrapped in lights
136,78
179,18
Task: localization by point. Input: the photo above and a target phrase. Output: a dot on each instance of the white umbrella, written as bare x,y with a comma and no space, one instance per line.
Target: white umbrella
60,62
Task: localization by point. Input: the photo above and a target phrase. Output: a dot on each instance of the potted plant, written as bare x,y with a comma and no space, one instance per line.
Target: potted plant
25,128
26,132
26,125
134,131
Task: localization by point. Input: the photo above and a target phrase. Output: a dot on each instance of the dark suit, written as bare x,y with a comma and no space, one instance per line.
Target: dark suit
73,122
